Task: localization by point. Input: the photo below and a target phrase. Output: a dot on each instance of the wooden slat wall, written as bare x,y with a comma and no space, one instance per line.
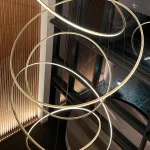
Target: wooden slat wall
14,14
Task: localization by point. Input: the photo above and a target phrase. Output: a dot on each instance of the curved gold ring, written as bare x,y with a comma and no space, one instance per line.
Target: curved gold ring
83,148
132,37
84,29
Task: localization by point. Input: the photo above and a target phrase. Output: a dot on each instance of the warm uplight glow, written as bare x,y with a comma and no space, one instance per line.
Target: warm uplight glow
11,22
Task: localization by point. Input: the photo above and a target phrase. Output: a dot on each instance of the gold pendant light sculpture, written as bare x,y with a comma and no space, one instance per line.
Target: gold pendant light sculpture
99,100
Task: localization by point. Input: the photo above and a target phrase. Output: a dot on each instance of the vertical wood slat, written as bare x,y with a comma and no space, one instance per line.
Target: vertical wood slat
14,15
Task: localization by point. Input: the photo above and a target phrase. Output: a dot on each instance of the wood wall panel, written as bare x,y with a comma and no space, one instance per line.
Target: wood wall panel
14,14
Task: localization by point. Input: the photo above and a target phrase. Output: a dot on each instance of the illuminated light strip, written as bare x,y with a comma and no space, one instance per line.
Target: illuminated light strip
83,148
59,3
23,129
17,130
147,58
84,29
9,135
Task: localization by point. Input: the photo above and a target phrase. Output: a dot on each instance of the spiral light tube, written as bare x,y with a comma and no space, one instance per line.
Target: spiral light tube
99,100
132,37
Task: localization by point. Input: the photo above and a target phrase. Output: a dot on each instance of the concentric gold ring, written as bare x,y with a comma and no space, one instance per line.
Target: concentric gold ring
84,29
